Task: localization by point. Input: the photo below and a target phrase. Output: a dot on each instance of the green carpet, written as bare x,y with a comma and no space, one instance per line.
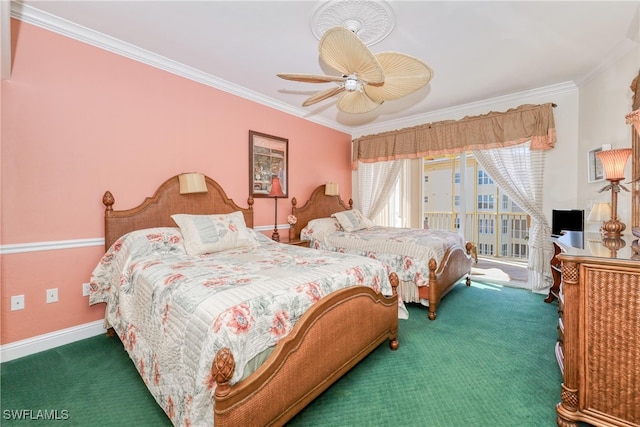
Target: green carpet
488,360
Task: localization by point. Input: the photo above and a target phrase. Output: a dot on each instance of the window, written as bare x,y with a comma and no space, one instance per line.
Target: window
485,226
483,178
519,250
485,249
519,228
505,202
452,207
485,202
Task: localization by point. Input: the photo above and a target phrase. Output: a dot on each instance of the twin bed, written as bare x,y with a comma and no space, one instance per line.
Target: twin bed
225,326
429,263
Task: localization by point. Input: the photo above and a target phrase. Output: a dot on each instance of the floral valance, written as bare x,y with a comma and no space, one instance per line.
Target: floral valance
533,123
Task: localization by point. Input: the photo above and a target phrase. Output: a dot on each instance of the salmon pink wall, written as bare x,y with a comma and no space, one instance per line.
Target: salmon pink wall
78,120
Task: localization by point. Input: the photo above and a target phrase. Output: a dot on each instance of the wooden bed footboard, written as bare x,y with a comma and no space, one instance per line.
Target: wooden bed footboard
455,264
300,368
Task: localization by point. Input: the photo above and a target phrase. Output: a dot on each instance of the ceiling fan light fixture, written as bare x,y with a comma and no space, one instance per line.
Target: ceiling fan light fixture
351,84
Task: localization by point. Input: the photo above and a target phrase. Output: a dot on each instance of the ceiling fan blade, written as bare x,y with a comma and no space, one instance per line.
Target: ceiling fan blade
404,74
310,78
356,102
322,95
343,51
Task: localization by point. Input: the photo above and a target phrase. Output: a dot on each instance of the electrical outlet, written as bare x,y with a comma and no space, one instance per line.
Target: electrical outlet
52,295
85,289
17,302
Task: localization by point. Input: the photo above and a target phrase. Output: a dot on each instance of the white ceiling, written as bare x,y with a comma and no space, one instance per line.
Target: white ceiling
478,49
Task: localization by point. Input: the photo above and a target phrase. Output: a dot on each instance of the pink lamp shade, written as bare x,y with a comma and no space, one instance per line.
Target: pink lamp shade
614,162
276,188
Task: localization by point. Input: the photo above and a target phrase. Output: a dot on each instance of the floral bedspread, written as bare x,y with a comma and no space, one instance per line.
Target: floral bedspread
173,312
405,251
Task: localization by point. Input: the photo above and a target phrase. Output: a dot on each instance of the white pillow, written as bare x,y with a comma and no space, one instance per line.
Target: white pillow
352,220
316,228
213,233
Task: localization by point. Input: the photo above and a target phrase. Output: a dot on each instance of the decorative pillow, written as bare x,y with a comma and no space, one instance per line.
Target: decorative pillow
318,227
352,220
213,233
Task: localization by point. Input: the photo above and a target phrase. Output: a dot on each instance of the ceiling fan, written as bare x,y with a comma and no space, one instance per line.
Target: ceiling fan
366,80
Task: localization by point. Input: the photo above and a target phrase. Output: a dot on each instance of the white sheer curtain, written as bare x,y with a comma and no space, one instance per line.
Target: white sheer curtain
519,173
404,205
375,184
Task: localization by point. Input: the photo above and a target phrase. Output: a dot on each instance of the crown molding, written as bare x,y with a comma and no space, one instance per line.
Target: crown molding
74,31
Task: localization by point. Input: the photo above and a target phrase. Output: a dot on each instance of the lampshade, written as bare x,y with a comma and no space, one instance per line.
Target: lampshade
192,183
331,189
276,188
600,212
613,162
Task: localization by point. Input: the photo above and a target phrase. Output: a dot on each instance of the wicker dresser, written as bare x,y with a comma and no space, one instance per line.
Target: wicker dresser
599,331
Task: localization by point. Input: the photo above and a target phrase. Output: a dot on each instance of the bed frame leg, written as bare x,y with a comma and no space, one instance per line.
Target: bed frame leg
395,282
393,344
434,298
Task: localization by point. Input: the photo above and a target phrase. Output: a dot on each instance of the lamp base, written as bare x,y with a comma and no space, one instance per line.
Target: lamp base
613,228
275,236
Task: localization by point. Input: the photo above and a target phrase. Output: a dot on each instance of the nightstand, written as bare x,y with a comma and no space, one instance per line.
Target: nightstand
295,242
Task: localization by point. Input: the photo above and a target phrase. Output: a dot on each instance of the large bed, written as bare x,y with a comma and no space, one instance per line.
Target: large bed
246,335
429,263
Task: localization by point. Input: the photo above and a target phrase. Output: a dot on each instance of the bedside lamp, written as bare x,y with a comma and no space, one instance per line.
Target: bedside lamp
276,191
614,162
192,183
600,212
331,189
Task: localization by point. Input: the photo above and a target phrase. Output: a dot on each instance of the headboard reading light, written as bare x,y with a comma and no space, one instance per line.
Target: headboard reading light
192,183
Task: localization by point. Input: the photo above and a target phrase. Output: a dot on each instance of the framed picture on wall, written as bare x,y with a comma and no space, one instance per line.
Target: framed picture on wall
594,166
268,158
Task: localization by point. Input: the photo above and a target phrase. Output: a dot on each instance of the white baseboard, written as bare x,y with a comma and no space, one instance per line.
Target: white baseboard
51,340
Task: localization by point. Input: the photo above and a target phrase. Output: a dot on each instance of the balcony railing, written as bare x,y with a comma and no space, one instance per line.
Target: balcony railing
500,235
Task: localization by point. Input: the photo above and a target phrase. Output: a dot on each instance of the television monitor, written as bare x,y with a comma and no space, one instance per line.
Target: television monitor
566,220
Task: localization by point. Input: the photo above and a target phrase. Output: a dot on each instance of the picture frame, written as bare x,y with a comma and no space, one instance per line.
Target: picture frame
268,157
595,170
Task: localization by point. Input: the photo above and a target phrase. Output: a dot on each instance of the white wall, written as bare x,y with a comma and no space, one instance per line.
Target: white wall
604,102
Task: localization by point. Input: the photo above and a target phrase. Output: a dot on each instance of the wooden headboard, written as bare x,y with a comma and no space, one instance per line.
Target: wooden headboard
318,206
156,211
